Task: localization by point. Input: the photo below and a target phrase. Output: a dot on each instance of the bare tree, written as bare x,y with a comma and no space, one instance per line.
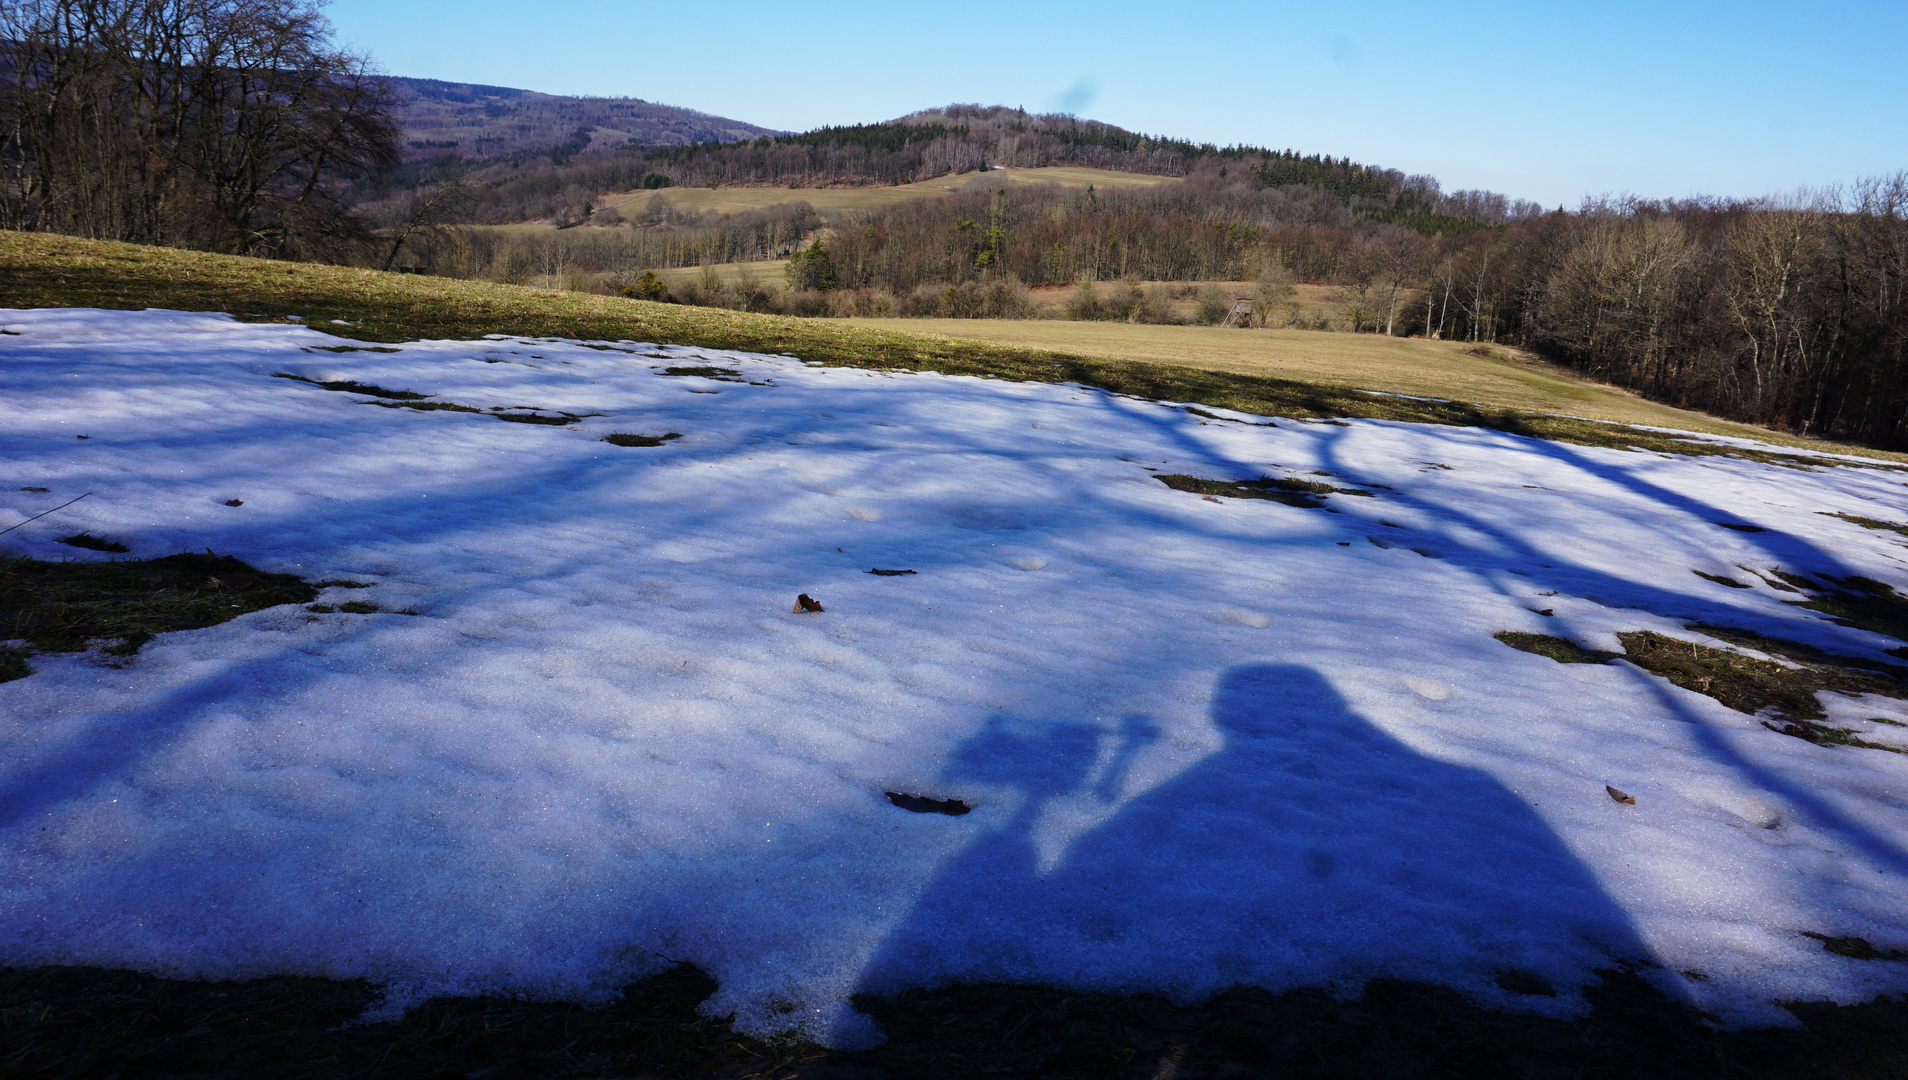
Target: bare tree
425,213
229,125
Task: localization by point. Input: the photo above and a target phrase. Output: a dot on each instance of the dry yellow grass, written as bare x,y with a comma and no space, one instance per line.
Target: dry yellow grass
1306,377
732,199
1441,369
770,272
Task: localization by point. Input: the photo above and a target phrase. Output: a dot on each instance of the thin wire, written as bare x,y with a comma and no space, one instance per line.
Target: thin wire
37,517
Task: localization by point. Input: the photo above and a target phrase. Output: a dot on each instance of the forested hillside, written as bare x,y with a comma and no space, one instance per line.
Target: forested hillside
939,142
474,121
166,127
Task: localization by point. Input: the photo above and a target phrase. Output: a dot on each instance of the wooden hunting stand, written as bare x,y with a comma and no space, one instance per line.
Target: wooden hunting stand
1240,315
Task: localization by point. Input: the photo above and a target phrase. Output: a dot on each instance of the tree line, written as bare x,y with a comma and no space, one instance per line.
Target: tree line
224,125
236,126
1789,313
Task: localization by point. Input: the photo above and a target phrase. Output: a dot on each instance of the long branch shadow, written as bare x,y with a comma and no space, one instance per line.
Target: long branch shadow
1559,571
1313,849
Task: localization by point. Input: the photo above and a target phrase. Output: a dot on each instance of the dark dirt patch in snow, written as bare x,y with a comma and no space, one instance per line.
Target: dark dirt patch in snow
425,406
349,387
93,543
1783,691
537,418
351,607
1871,523
1562,650
67,607
1855,948
1279,489
921,804
1860,602
621,438
720,373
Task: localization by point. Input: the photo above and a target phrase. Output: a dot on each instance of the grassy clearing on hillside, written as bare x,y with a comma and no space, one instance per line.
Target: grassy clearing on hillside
729,200
42,270
1452,370
836,200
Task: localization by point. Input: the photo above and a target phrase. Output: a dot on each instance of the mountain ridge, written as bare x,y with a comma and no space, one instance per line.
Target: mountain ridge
445,118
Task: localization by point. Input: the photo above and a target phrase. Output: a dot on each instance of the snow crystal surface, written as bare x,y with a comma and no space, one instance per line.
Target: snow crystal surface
1207,742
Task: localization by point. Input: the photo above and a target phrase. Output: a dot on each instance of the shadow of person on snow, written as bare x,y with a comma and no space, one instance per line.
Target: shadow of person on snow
1312,849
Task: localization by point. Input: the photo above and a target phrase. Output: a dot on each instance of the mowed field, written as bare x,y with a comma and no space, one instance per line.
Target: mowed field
1441,369
1269,372
729,200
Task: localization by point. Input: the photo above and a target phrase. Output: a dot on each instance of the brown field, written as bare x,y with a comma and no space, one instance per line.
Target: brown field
728,200
770,272
1296,374
1441,369
834,200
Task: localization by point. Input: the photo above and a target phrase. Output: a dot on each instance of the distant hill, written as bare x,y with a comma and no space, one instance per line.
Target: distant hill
473,120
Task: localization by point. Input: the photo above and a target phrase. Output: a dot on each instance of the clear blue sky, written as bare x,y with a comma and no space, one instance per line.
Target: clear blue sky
1548,101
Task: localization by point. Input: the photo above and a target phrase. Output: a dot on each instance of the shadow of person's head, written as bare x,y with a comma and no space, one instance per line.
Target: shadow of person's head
1259,702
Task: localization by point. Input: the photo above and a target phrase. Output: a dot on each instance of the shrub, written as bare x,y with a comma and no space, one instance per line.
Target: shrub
1212,305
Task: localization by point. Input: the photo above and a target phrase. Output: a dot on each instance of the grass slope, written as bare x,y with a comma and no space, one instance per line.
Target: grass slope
729,200
1446,369
43,270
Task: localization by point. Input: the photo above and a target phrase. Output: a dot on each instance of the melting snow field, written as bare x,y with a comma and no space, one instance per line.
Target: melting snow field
1206,743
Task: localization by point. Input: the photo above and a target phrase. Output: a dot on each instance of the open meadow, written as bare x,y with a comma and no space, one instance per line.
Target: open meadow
729,200
1462,371
835,200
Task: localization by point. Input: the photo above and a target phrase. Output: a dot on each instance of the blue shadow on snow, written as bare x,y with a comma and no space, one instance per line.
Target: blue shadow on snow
1312,849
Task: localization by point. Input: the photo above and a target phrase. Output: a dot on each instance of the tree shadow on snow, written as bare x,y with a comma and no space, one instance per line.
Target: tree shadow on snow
1312,849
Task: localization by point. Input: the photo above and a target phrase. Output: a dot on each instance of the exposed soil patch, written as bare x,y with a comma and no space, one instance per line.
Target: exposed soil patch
1562,650
719,373
537,418
1784,692
347,386
425,406
621,438
1855,948
93,543
1859,602
67,607
921,804
1301,493
1871,523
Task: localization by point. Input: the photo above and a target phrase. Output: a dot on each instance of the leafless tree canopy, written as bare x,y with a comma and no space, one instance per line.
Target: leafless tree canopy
224,125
